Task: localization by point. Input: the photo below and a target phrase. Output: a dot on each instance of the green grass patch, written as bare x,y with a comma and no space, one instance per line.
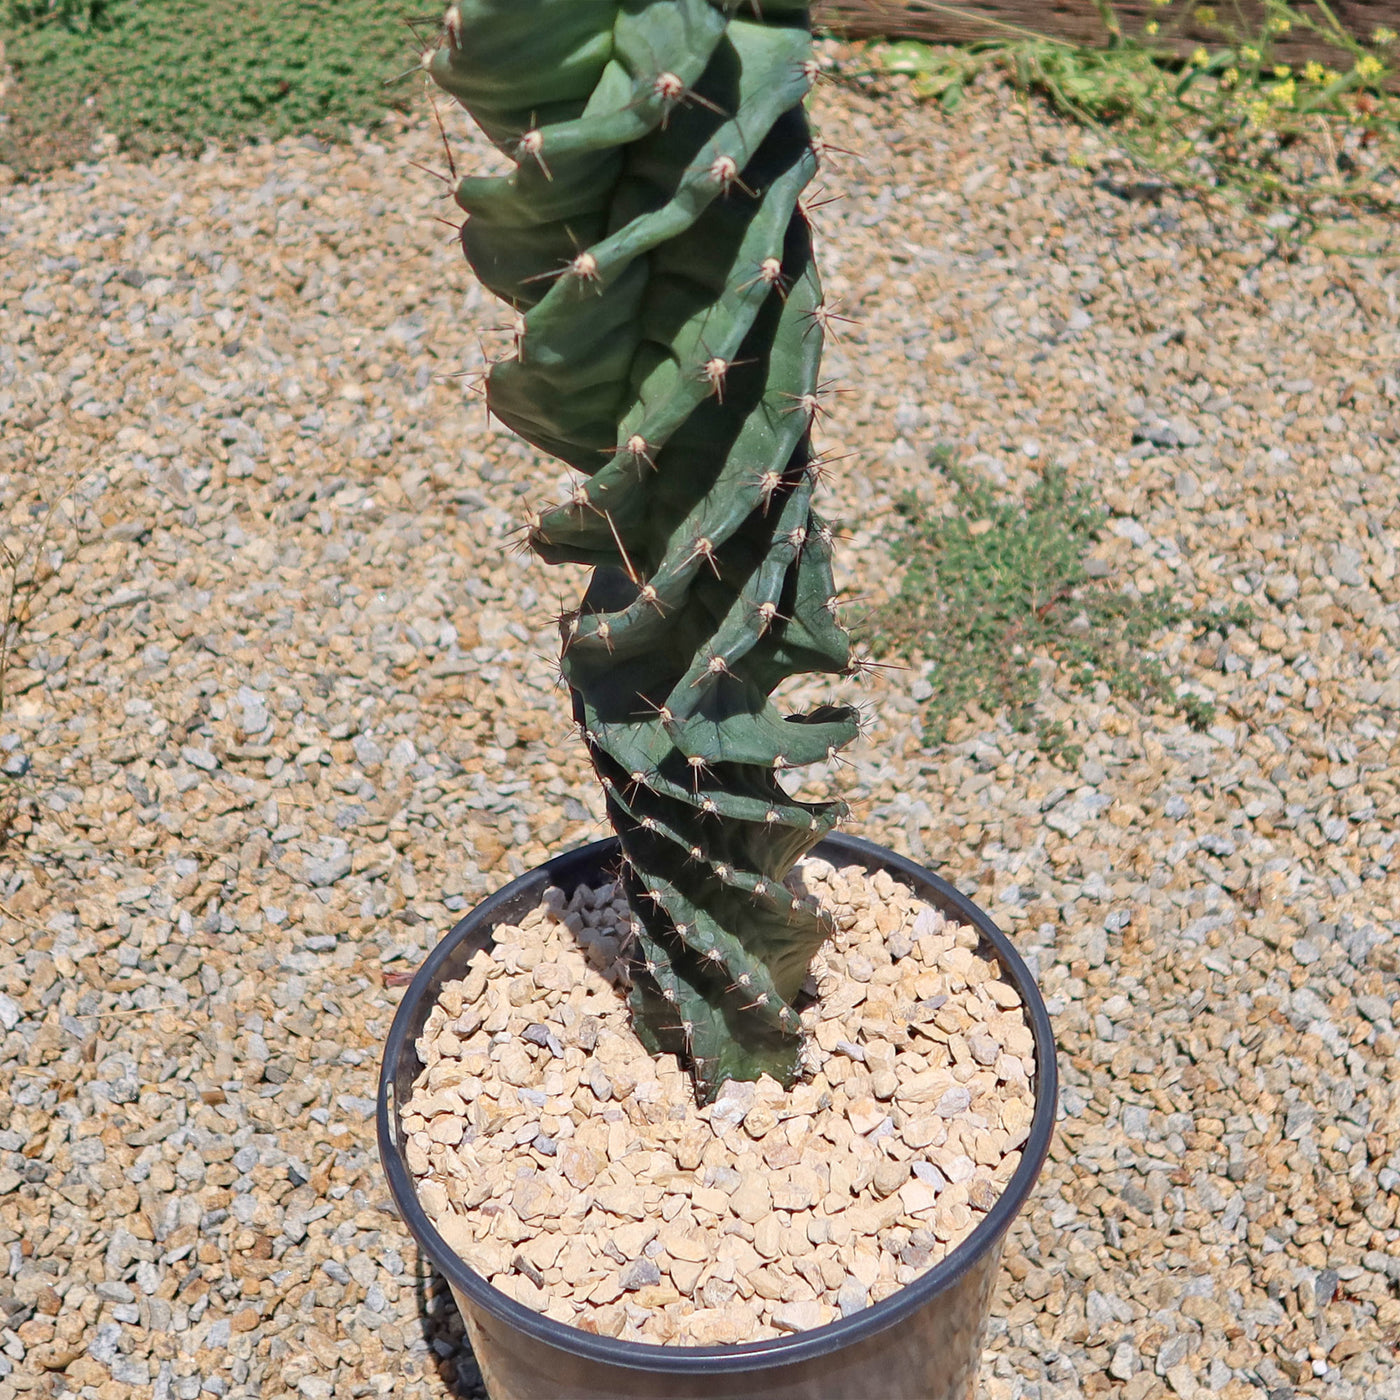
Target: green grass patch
997,584
174,74
1230,120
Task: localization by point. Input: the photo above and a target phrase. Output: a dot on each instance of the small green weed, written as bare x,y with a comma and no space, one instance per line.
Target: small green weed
1236,122
991,588
173,74
73,15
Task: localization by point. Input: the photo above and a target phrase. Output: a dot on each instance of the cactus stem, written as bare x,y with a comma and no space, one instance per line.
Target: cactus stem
531,144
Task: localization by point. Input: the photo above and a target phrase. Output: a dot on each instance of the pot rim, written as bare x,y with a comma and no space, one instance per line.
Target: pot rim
780,1351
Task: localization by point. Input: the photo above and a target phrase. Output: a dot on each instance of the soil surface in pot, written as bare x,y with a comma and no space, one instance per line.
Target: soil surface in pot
577,1174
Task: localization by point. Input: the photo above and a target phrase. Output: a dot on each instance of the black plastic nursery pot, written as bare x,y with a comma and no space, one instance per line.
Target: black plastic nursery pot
922,1343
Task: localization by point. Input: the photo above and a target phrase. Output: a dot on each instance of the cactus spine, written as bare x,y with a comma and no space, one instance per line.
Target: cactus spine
651,241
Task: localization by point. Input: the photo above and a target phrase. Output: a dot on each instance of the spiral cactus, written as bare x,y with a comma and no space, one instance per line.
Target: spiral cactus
669,326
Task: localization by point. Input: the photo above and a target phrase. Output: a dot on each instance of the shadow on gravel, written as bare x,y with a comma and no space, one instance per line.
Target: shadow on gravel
443,1330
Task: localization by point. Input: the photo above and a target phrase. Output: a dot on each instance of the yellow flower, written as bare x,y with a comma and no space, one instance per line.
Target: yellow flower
1205,14
1230,77
1281,70
1151,27
1249,54
1314,72
1283,93
1383,36
1161,4
1332,75
1279,25
1200,58
1258,112
1369,66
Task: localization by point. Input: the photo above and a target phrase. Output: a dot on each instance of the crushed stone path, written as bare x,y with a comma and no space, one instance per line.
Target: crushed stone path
288,706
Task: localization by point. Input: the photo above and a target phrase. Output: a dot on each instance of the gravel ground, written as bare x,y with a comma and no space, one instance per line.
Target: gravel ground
288,706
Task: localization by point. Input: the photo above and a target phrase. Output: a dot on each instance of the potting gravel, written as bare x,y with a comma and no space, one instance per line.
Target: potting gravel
580,1177
286,706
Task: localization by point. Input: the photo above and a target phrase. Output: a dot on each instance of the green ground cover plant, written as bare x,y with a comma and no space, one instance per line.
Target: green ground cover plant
999,584
1230,120
171,74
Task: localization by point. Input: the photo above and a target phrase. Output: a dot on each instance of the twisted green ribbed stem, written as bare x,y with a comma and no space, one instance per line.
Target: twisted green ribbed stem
671,330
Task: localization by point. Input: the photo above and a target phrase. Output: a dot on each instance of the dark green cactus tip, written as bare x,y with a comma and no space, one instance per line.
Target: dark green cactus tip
667,330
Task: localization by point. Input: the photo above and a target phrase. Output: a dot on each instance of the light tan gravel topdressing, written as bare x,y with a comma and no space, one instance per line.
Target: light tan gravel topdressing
287,707
580,1178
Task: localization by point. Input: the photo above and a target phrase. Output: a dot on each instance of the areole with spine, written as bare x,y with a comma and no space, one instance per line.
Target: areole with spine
652,243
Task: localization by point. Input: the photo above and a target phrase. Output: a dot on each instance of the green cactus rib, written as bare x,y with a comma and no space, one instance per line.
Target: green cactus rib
669,334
